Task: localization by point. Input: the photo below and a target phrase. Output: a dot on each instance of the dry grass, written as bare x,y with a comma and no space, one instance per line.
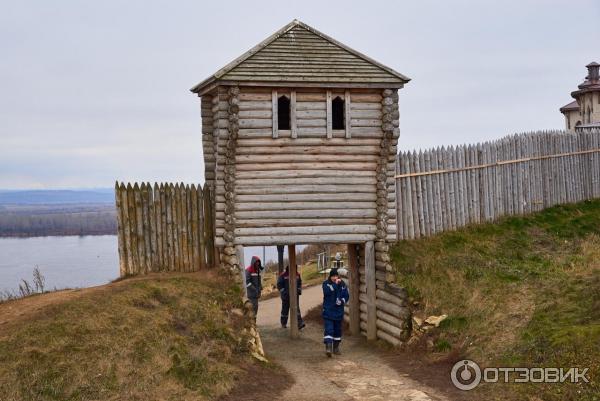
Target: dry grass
159,338
522,292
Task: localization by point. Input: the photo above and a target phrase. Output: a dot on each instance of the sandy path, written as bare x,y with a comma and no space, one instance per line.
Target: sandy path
359,374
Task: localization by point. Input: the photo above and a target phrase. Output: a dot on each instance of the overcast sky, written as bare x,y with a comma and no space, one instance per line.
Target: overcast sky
94,91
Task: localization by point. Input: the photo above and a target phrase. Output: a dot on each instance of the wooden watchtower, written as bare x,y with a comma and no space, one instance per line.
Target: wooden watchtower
299,137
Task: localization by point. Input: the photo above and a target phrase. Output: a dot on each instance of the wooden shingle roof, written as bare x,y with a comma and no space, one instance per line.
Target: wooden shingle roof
299,55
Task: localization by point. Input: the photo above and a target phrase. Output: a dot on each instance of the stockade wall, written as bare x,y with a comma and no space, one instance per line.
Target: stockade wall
446,188
164,227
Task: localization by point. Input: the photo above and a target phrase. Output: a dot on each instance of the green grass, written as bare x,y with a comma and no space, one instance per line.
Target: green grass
311,275
162,338
524,291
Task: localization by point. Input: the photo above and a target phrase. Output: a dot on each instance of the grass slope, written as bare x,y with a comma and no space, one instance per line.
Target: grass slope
162,338
522,292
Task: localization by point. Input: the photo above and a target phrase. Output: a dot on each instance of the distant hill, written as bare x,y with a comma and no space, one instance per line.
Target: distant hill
58,196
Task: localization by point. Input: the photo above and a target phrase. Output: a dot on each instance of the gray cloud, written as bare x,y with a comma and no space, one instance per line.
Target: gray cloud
97,91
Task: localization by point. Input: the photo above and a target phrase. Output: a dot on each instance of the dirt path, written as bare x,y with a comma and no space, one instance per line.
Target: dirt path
358,374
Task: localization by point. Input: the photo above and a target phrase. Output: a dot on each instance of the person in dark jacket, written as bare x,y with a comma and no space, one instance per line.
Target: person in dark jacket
335,296
283,285
253,282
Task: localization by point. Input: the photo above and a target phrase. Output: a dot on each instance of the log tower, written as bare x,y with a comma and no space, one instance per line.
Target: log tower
299,136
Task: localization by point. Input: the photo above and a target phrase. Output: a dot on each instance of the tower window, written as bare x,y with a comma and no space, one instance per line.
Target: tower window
283,113
337,113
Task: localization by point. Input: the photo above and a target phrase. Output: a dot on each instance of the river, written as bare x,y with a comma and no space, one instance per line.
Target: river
65,262
71,261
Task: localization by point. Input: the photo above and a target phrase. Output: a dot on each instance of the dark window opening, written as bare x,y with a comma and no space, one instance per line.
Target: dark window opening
337,113
283,113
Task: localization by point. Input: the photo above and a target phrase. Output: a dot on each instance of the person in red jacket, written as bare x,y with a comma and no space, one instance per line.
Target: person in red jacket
253,282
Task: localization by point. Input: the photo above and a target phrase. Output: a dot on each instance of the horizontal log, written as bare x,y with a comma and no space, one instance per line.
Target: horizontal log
386,296
263,96
365,97
302,197
255,105
362,122
276,207
312,126
255,123
393,320
388,328
384,267
379,275
273,182
310,97
282,142
351,166
366,114
308,114
304,239
308,230
252,114
251,133
305,173
382,256
306,213
301,222
308,150
364,106
302,189
264,160
391,308
302,105
382,335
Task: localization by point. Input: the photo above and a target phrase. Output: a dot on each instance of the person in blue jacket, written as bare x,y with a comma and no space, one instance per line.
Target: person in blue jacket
335,296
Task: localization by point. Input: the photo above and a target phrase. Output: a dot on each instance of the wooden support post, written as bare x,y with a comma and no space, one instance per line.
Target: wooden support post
354,290
347,115
280,249
275,117
293,122
239,251
329,116
371,288
293,292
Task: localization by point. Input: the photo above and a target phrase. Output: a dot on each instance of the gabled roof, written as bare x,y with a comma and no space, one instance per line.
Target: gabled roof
571,106
299,54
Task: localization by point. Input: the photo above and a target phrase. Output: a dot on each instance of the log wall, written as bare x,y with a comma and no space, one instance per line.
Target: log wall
307,188
393,318
164,227
443,189
208,141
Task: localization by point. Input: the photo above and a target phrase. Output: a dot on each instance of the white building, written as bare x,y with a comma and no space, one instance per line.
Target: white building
584,111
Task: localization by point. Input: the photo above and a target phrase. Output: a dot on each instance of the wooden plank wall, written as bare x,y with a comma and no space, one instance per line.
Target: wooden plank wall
310,188
429,204
164,227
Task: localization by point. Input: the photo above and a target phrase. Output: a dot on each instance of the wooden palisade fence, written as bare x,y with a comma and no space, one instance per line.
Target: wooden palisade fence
164,227
446,188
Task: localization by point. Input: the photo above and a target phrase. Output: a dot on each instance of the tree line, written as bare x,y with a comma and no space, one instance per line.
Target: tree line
28,223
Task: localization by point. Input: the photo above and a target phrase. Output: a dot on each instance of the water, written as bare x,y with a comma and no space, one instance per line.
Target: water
73,261
65,262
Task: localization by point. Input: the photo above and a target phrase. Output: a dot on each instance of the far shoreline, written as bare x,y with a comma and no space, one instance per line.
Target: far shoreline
66,234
